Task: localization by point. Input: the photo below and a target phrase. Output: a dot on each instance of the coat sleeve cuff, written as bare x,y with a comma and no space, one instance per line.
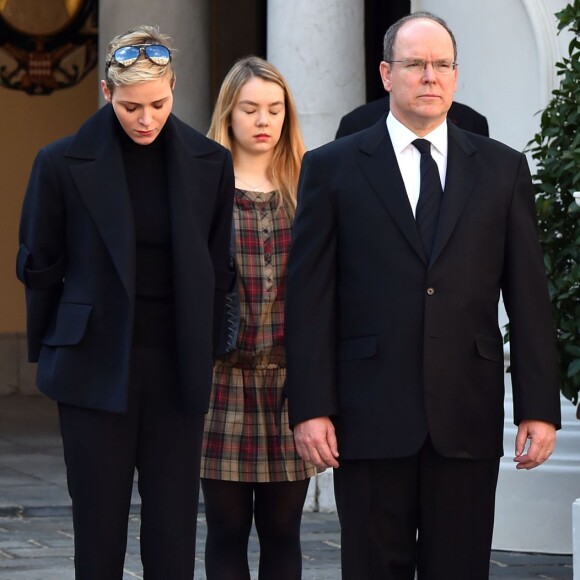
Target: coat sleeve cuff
38,279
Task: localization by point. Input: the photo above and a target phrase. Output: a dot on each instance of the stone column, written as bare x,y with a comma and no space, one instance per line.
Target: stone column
319,48
187,22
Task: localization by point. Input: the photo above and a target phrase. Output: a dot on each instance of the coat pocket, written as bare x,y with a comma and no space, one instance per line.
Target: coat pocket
70,326
489,347
357,348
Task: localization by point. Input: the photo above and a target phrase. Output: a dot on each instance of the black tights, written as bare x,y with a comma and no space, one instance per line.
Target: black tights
277,511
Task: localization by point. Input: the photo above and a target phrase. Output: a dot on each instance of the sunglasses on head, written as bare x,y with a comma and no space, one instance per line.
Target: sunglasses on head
128,55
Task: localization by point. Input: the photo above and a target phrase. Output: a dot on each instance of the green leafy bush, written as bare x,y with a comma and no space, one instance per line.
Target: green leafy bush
556,151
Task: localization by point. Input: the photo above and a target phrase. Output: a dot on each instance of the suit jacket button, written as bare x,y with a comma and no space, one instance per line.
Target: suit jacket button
430,291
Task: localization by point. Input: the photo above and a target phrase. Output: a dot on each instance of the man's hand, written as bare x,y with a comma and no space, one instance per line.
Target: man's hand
542,438
316,442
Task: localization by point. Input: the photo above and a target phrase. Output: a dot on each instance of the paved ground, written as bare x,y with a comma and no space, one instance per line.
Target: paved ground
40,548
36,534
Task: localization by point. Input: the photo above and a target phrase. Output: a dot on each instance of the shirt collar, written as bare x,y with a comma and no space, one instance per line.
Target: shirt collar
402,137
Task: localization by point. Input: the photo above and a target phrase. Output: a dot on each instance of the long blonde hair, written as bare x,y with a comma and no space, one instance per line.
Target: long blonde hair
284,169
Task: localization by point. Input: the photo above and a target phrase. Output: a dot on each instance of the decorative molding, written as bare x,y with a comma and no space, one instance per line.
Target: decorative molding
545,31
48,45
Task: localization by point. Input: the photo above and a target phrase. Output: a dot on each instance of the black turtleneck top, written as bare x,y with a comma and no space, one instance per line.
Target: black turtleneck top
146,172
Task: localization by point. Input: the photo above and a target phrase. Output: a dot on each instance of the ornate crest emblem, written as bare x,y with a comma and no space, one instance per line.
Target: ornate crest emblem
46,45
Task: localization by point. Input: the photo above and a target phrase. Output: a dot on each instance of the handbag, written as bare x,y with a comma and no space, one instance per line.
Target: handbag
231,320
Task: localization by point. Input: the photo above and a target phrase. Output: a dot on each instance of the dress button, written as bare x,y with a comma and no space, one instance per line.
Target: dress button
430,291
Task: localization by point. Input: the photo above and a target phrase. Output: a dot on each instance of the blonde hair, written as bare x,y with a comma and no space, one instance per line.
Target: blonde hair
143,70
284,169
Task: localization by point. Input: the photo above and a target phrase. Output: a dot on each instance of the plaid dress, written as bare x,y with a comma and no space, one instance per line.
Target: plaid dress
246,436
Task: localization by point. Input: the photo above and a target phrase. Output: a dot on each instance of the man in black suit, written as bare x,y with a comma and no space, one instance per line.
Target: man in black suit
368,114
394,352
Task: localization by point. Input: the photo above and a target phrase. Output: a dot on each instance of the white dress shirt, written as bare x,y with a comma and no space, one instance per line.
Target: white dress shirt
409,158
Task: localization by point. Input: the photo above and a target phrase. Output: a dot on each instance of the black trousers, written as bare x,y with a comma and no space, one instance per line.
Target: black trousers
424,513
162,440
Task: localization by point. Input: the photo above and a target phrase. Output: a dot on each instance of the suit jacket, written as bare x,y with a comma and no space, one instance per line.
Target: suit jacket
393,347
368,114
77,260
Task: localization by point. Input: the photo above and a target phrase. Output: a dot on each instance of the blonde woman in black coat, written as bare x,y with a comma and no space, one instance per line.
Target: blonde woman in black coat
124,254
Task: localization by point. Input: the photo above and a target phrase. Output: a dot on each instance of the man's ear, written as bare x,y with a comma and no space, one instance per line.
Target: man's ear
385,72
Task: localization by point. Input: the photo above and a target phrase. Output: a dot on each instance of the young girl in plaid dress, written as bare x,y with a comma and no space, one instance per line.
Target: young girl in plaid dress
250,467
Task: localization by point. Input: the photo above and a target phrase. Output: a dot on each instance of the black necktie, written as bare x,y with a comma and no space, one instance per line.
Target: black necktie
430,194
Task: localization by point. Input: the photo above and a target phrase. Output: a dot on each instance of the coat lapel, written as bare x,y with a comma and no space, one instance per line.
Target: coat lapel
462,174
193,179
379,163
182,175
100,180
